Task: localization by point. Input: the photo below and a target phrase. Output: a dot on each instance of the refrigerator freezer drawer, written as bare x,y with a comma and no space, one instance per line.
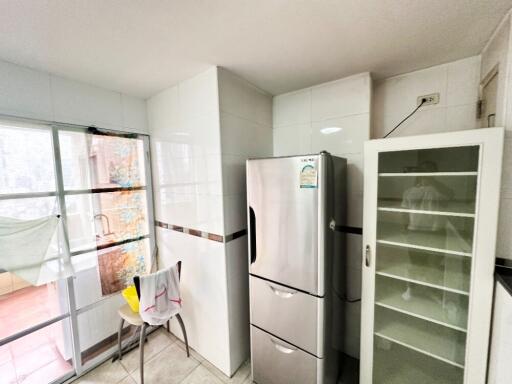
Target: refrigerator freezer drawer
287,313
277,362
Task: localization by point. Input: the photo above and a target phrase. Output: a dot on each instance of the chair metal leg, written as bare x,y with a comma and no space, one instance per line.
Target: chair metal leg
120,331
169,326
182,325
141,351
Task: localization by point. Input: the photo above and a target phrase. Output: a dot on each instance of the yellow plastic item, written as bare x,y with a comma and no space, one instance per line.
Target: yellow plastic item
130,295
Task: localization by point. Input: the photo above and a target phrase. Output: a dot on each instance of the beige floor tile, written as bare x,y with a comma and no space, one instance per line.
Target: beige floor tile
128,380
192,351
170,366
157,341
107,373
238,378
201,375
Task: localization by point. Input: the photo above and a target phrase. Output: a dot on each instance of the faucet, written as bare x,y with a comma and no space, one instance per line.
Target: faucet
101,216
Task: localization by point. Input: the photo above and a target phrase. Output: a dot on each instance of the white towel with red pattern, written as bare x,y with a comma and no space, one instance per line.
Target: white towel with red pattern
160,297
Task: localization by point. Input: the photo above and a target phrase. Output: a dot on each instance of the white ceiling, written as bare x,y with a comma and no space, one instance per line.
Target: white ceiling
140,47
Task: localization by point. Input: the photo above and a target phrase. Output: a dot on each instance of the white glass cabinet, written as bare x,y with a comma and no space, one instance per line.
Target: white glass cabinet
430,219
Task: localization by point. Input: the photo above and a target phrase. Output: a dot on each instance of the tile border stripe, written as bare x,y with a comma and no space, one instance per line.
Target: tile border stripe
199,233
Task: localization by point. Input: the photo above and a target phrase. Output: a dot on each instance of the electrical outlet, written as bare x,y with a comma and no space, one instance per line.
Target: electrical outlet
431,99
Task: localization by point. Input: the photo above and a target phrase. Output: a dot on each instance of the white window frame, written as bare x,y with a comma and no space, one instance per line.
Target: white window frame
60,194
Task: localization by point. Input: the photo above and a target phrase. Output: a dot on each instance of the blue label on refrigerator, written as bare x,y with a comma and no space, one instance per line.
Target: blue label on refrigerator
308,175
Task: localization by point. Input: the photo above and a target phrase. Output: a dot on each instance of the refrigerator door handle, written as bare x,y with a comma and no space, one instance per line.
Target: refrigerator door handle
252,234
282,348
282,293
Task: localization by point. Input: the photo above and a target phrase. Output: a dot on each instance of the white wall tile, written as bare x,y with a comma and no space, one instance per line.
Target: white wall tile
463,80
163,112
355,173
292,140
28,93
245,138
201,212
501,338
202,134
238,300
292,108
354,276
355,129
238,97
199,95
84,104
506,173
193,175
426,121
134,113
343,97
354,251
4,85
204,292
25,92
353,324
461,117
235,213
233,174
497,54
396,97
355,210
504,240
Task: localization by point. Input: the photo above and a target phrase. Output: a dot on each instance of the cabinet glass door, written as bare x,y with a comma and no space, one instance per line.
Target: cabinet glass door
425,224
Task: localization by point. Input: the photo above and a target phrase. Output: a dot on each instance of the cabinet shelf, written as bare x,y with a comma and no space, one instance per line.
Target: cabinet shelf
393,275
407,245
421,212
440,307
444,344
450,240
434,269
416,174
397,364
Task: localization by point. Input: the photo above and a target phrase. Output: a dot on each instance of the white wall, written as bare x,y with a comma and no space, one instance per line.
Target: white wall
202,131
396,97
246,131
28,93
495,54
186,154
298,119
187,184
498,53
501,341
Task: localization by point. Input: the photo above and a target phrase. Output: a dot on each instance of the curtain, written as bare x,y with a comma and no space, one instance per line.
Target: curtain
29,249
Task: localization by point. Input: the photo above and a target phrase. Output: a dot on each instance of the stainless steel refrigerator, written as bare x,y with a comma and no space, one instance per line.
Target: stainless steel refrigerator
296,269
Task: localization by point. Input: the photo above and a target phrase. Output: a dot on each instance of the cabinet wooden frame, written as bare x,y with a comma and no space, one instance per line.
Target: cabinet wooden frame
490,143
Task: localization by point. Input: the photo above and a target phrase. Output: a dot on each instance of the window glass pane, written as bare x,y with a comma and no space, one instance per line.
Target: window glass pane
96,161
100,219
28,208
108,271
26,160
118,265
97,329
454,159
40,357
23,305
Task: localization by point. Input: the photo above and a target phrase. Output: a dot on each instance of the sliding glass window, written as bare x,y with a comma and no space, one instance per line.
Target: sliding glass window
100,183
